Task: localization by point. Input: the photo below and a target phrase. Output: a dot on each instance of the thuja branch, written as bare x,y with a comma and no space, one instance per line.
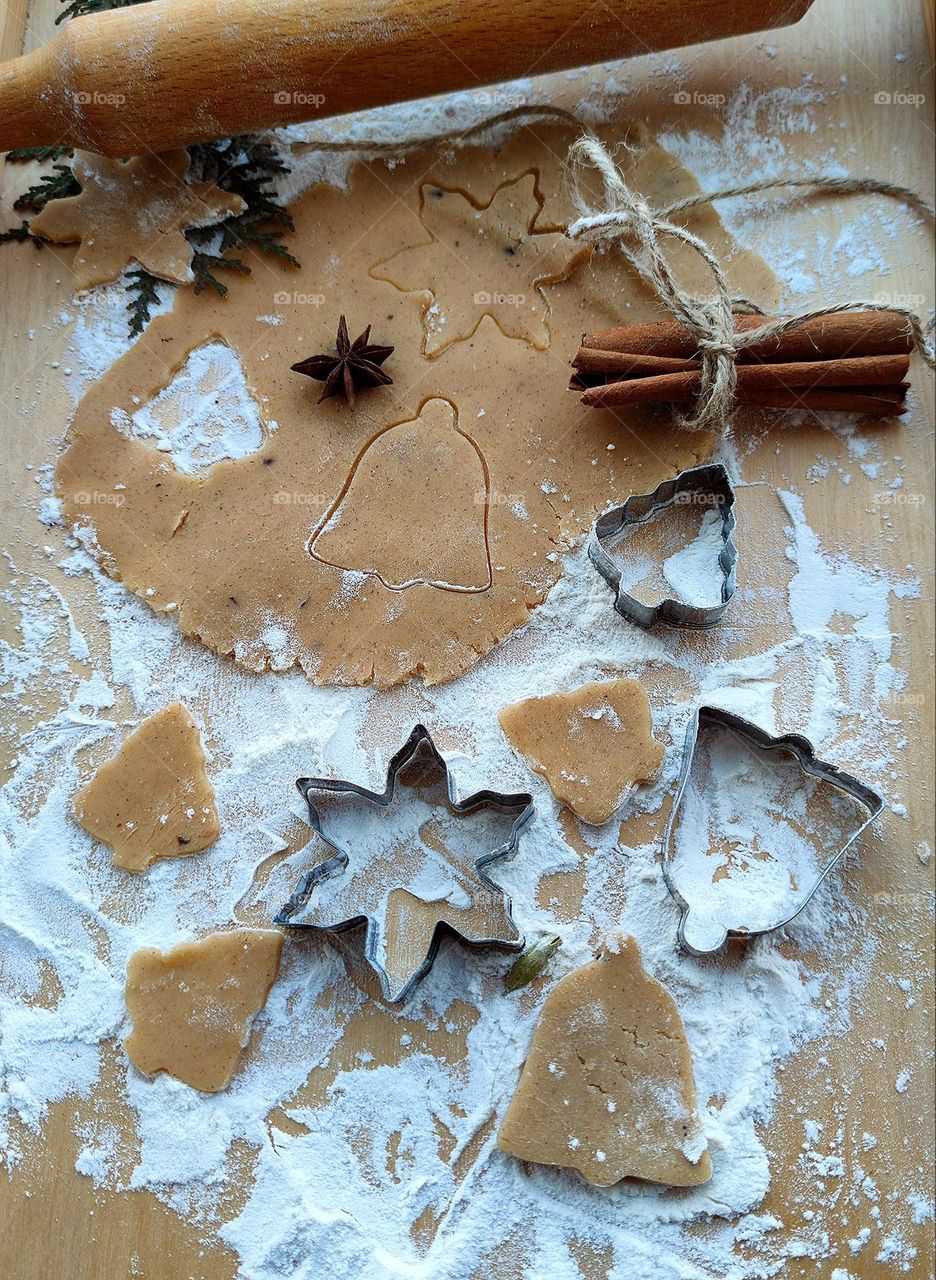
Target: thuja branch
247,165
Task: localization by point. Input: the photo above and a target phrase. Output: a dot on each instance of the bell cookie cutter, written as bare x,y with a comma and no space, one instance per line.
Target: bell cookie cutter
707,485
419,747
791,743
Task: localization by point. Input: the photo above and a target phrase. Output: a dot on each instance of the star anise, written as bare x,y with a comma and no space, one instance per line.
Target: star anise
356,364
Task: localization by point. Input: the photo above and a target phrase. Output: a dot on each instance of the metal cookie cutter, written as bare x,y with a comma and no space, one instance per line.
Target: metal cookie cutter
375,870
709,485
701,932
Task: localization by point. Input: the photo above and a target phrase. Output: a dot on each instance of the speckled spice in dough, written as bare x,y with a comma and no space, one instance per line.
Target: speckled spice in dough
153,799
227,552
192,1006
591,745
607,1086
442,264
133,211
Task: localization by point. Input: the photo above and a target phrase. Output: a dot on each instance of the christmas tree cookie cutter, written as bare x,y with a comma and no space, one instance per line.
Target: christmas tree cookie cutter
301,911
700,933
706,486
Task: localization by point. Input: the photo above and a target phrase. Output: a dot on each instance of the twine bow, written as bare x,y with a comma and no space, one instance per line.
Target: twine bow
637,229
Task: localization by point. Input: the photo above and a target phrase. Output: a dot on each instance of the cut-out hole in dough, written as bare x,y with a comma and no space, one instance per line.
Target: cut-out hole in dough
414,510
483,259
204,414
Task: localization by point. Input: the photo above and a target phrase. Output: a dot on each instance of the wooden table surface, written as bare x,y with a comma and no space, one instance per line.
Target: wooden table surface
53,1223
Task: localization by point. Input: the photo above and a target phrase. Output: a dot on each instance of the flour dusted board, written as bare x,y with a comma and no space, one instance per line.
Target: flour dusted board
65,1219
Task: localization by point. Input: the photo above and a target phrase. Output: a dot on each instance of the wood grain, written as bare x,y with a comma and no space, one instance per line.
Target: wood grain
54,1222
217,67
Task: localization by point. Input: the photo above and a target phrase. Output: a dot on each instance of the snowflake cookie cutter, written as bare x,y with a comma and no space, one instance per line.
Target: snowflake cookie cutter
300,912
767,746
708,485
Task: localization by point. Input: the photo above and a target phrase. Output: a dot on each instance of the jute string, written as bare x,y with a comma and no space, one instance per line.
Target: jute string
520,115
628,221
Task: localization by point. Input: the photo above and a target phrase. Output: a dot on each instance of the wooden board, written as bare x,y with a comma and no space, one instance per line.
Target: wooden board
53,1221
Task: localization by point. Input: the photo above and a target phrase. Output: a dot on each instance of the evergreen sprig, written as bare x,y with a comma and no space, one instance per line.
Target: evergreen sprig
246,165
54,152
78,8
57,184
246,232
19,234
144,296
205,264
240,164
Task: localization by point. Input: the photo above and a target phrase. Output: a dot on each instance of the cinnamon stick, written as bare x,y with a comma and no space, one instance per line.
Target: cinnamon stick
623,363
875,401
845,333
853,361
882,401
868,371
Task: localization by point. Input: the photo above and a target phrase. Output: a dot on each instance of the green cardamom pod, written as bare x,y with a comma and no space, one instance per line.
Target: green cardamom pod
532,960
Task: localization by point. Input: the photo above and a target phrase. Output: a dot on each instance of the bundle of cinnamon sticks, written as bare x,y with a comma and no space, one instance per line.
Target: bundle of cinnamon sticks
853,361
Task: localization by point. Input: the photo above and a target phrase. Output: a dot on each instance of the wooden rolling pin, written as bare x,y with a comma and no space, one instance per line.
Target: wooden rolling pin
172,72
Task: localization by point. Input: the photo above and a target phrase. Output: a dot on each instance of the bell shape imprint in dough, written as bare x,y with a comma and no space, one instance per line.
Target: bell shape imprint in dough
414,509
133,211
591,745
192,1007
607,1086
153,799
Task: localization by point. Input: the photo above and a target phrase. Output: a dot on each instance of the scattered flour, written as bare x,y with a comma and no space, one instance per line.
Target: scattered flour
394,1172
206,412
324,1197
694,572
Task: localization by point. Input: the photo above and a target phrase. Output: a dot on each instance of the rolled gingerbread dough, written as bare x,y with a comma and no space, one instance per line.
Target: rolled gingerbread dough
227,552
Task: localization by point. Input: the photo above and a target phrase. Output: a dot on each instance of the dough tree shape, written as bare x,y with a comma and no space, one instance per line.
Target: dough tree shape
591,744
133,211
153,799
192,1007
483,261
408,864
